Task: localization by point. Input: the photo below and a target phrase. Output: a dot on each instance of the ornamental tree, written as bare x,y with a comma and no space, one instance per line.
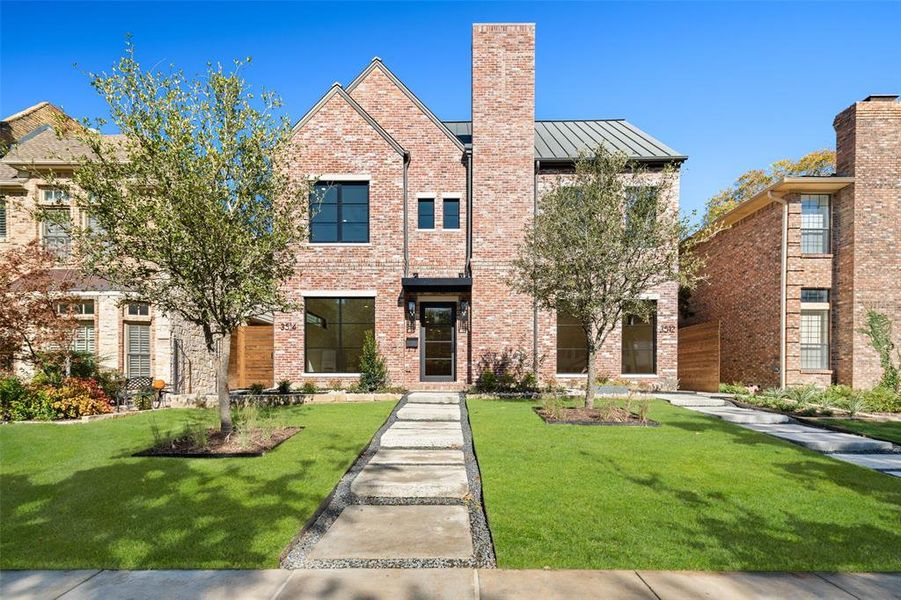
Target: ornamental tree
189,208
601,239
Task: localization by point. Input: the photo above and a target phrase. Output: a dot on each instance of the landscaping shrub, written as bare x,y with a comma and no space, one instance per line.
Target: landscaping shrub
373,371
78,398
143,400
736,387
508,372
255,388
803,395
19,402
284,386
837,395
881,399
309,387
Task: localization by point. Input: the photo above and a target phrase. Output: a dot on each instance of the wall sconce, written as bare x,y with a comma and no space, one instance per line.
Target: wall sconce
411,313
464,315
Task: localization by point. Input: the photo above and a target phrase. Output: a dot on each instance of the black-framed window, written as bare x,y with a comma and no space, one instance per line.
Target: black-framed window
425,212
572,346
339,212
639,343
333,333
451,214
815,221
640,208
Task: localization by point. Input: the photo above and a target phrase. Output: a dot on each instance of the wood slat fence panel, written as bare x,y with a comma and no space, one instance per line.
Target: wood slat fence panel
699,357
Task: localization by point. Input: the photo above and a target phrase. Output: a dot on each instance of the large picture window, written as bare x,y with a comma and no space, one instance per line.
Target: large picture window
572,353
815,223
333,333
339,212
640,343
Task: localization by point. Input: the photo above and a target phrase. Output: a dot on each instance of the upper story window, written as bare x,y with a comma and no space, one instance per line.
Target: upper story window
640,208
80,308
138,309
451,208
425,213
55,196
55,232
2,218
815,221
339,212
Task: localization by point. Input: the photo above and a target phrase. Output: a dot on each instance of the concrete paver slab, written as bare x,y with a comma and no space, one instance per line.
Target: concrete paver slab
688,585
431,425
734,414
385,532
867,585
396,456
509,585
422,437
411,481
22,585
175,585
429,412
885,462
822,440
382,584
687,400
893,473
433,398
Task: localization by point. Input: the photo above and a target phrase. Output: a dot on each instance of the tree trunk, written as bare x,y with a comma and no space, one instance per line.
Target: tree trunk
225,412
589,383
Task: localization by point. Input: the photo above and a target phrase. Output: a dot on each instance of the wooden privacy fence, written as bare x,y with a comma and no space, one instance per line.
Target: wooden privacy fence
250,360
699,357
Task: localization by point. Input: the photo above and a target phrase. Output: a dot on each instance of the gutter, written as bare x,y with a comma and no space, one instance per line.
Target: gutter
406,242
468,156
783,281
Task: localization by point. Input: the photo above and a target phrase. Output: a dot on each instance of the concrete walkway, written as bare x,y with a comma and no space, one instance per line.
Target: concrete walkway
456,584
873,454
413,499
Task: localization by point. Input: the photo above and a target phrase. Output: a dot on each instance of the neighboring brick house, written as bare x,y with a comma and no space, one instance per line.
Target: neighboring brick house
130,336
792,277
416,221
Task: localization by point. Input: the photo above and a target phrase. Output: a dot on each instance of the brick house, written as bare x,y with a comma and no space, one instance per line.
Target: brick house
415,221
132,337
792,277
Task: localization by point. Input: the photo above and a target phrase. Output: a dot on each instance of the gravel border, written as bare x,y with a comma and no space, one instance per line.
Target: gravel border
295,556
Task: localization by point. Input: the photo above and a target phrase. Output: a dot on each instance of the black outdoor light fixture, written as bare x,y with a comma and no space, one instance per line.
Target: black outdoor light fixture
411,310
464,314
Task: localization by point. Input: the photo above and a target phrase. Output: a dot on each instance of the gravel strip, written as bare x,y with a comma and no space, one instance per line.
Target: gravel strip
296,555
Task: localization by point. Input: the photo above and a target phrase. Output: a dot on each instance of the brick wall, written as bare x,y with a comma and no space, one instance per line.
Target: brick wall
742,291
503,129
868,146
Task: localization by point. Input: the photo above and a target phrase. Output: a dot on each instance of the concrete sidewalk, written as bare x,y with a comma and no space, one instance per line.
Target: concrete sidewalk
424,584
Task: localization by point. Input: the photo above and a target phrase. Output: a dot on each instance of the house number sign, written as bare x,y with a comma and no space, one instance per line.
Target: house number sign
287,326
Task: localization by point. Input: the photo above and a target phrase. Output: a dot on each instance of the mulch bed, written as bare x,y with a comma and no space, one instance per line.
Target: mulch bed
594,416
220,446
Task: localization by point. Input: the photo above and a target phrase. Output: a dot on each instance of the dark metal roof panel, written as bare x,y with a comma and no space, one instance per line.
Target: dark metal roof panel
564,140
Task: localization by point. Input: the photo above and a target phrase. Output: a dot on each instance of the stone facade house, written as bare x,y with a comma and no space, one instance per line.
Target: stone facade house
132,337
415,222
792,277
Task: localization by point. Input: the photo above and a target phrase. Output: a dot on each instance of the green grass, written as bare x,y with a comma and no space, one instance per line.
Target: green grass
695,493
73,497
883,430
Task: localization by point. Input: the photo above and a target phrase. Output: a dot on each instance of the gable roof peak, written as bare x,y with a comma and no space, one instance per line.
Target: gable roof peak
377,63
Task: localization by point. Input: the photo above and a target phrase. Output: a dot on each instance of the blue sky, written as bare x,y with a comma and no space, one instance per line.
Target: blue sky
733,85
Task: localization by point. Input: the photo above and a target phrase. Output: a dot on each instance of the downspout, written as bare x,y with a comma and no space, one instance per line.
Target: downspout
406,244
782,291
468,269
534,302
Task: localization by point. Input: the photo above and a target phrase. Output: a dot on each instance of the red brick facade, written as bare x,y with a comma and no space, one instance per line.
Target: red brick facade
744,287
365,133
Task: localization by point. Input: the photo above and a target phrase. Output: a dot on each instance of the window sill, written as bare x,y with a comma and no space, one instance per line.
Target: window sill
338,244
817,255
330,375
639,375
816,371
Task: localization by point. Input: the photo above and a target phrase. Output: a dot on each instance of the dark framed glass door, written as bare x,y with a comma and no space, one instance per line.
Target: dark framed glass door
438,341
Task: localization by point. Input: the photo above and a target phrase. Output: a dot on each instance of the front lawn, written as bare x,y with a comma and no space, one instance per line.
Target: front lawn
694,493
889,431
74,497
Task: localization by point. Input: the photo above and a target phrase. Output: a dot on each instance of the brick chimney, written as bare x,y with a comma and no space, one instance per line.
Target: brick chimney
503,184
867,228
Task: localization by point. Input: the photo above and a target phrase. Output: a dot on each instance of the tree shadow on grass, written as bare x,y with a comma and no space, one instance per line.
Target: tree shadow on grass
166,512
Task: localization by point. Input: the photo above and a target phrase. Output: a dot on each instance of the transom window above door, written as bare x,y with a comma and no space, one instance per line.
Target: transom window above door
339,212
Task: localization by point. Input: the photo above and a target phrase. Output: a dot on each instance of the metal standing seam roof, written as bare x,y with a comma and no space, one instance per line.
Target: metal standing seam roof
566,140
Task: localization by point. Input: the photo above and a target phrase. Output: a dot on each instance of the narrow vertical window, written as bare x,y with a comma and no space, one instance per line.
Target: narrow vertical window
814,330
451,207
426,213
639,347
137,358
815,220
2,218
572,346
55,232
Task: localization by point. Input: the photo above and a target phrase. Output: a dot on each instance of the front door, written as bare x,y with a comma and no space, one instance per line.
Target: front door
438,341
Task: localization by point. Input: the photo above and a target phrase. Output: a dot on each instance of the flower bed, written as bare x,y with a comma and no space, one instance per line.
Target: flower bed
592,416
71,398
214,444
